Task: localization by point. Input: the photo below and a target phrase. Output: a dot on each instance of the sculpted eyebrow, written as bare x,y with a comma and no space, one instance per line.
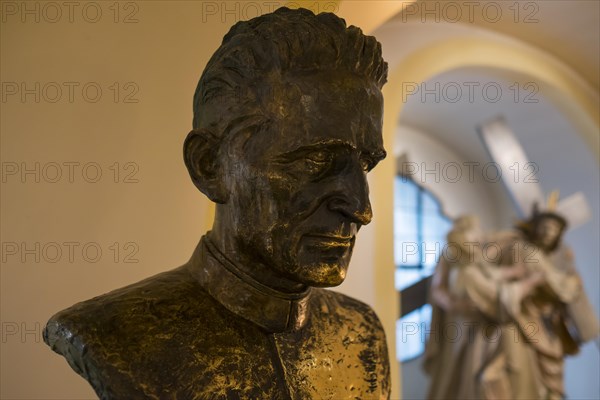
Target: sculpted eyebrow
303,150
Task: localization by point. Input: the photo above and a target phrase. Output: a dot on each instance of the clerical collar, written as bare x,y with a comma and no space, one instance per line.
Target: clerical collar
241,294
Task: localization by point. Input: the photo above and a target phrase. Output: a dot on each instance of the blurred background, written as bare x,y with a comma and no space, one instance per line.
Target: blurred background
96,99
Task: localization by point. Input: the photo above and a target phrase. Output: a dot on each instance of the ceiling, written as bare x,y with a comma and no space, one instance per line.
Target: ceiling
541,128
569,30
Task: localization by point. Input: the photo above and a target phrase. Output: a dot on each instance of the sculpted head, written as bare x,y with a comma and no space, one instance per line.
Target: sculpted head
287,124
547,230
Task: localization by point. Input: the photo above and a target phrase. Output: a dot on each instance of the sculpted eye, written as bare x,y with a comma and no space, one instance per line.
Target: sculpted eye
319,157
314,162
317,163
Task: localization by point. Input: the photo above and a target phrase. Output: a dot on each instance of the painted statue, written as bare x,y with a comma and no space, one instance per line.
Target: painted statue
464,353
520,309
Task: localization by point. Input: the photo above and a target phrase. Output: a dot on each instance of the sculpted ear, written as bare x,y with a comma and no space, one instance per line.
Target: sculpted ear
200,153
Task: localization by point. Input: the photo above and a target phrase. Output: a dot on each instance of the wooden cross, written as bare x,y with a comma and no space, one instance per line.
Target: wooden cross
506,151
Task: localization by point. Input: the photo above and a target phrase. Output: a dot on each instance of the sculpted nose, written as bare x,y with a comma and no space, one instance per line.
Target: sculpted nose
352,197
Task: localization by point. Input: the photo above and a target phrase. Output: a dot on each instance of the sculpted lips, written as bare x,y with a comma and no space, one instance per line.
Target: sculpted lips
331,240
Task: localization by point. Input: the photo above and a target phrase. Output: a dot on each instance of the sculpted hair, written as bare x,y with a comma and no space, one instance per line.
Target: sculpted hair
247,72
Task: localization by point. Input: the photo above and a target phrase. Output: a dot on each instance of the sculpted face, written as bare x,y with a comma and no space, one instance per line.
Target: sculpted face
547,232
298,191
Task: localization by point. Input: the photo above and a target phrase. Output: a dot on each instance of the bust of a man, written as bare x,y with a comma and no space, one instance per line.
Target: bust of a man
287,124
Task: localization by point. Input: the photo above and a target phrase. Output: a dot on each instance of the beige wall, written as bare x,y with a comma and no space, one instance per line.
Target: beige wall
143,200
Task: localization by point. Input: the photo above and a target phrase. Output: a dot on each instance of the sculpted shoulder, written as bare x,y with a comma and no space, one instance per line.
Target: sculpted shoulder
139,333
144,339
148,301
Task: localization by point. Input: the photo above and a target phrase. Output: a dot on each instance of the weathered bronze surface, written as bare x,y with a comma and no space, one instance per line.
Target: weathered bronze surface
287,123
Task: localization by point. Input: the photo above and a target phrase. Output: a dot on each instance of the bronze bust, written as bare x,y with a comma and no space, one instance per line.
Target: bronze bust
287,123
